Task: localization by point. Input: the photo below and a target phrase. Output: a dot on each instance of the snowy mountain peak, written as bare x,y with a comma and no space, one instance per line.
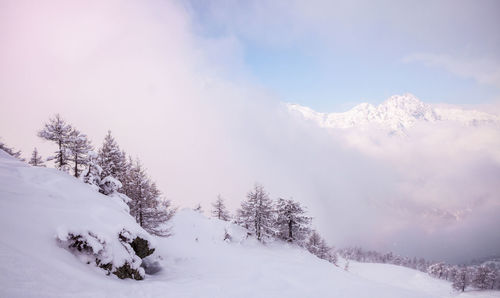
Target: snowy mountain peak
396,114
409,106
406,99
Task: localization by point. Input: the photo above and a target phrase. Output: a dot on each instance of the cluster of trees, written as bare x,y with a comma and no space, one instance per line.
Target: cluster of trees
108,171
370,256
482,277
282,219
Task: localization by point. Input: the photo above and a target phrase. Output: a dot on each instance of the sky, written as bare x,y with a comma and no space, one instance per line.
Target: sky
330,55
195,89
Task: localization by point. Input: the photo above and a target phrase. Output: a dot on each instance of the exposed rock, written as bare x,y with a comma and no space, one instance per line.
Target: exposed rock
141,247
126,271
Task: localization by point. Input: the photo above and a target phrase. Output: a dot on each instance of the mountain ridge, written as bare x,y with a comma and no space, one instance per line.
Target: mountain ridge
397,114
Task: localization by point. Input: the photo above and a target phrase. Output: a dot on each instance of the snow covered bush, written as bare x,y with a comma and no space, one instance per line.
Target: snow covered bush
110,185
92,174
121,256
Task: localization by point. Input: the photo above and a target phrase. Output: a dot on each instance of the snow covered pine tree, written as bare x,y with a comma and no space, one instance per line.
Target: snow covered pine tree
461,280
58,131
256,213
113,164
79,147
219,210
292,224
36,159
149,209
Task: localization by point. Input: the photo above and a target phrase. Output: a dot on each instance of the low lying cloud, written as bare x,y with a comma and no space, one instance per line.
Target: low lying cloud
185,105
445,196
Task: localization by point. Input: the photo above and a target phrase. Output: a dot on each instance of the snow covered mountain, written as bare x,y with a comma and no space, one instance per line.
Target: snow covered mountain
396,114
38,206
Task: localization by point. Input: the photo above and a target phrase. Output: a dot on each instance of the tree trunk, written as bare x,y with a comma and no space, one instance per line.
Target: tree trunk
60,154
140,215
76,165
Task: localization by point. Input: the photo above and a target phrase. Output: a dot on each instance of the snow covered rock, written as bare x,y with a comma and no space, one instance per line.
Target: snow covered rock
123,261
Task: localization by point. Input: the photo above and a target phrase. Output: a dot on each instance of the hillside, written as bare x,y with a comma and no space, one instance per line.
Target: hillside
38,206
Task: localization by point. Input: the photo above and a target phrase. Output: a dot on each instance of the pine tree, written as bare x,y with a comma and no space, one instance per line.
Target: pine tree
11,151
78,147
58,131
137,189
219,209
291,222
256,213
461,280
150,210
111,159
126,178
36,159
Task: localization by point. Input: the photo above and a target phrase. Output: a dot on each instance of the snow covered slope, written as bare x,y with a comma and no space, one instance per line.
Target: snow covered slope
36,203
396,114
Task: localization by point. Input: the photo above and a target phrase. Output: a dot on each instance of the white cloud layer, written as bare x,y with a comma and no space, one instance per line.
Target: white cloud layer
185,105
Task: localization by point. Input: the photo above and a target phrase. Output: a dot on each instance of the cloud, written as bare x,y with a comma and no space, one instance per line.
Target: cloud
388,25
483,70
438,195
184,103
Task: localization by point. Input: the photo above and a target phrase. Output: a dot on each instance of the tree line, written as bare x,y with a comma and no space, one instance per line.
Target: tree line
481,277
